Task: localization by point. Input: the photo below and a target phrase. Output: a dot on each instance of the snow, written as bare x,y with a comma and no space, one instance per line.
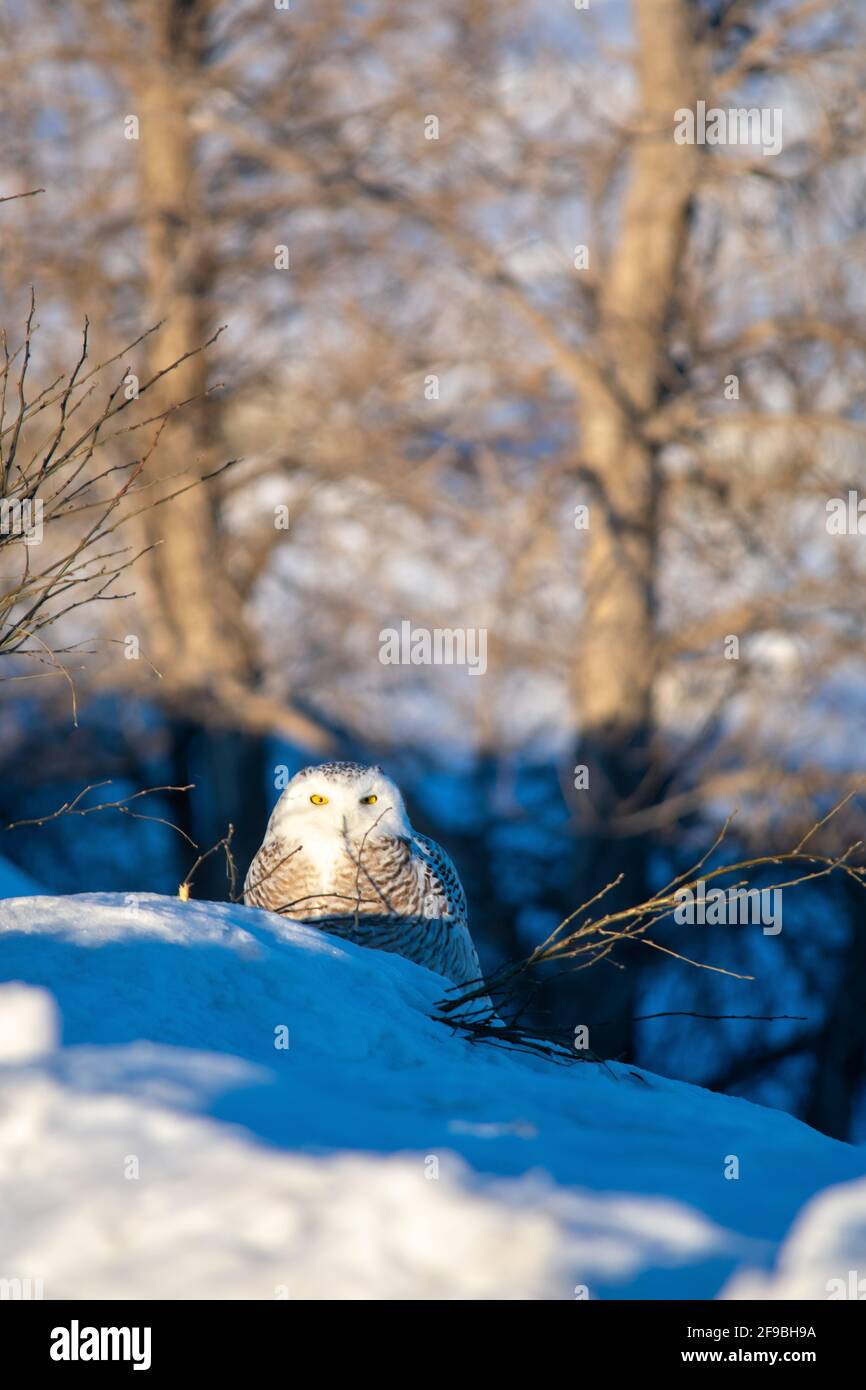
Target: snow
28,1024
156,1141
823,1257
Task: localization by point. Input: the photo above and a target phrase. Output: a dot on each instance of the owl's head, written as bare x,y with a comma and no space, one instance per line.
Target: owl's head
343,799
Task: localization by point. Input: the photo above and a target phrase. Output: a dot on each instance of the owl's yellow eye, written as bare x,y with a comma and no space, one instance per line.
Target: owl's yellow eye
369,800
319,800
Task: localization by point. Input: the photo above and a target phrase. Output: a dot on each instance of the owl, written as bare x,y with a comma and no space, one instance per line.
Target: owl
340,852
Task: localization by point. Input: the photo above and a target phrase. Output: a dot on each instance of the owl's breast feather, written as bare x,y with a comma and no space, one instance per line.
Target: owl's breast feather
324,857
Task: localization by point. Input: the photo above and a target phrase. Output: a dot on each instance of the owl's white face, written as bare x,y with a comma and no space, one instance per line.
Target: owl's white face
342,800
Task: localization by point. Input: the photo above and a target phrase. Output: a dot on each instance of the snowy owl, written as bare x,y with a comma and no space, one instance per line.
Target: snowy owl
339,851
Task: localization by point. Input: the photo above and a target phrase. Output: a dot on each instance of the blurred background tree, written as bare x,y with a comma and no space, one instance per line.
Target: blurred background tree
472,285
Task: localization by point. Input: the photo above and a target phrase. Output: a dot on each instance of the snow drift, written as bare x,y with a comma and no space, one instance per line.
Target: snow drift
204,1100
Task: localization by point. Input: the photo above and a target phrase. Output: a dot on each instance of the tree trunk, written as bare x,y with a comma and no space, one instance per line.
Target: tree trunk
615,665
195,625
195,635
227,767
840,1050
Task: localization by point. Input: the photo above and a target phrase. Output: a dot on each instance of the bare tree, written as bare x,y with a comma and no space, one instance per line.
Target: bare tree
75,475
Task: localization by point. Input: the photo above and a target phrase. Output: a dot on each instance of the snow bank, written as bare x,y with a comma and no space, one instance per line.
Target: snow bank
823,1257
28,1024
173,1145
